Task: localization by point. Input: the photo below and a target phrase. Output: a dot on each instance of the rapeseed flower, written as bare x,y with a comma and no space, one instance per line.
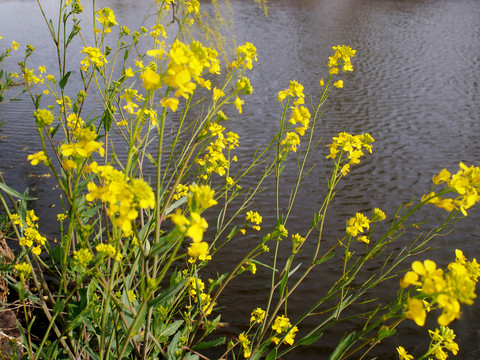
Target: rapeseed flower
43,117
24,269
257,316
83,256
39,157
403,355
283,328
357,224
106,17
94,57
109,250
243,340
416,311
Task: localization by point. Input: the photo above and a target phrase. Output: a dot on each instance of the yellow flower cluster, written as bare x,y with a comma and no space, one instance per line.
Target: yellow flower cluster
299,116
257,316
43,117
30,238
108,250
246,55
93,56
283,328
352,145
24,269
180,191
82,146
343,54
30,77
214,160
443,339
243,340
255,218
184,70
465,183
106,18
83,256
124,198
447,289
200,197
403,354
297,242
197,292
130,96
359,223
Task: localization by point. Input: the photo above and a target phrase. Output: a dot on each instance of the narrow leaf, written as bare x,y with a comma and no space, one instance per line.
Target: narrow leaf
343,347
15,193
64,80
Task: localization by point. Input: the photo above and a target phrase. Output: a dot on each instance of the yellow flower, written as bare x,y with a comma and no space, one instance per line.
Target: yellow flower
217,94
243,340
356,224
364,239
199,250
238,104
43,117
197,227
150,78
38,157
94,56
109,250
378,215
403,355
257,316
416,311
254,217
24,269
171,103
338,84
83,256
202,197
432,278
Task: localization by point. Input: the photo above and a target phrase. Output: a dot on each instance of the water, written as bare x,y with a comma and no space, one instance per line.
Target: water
415,88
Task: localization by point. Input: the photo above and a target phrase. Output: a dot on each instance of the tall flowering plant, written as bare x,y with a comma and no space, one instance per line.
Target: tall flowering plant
129,269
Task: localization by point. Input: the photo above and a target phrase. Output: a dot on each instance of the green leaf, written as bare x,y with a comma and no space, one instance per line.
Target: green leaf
385,333
38,98
324,258
212,325
261,350
173,347
75,30
107,120
163,244
51,27
54,131
343,347
167,294
59,306
272,355
170,329
307,340
64,80
15,193
210,344
176,204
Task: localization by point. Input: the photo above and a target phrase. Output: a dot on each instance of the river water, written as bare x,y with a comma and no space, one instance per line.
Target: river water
415,89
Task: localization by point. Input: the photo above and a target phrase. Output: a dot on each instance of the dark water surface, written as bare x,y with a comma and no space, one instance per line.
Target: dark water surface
415,89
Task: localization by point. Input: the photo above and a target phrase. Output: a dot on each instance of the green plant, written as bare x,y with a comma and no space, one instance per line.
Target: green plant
130,268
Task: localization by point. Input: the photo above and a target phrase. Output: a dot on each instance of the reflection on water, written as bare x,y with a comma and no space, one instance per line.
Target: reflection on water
415,88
